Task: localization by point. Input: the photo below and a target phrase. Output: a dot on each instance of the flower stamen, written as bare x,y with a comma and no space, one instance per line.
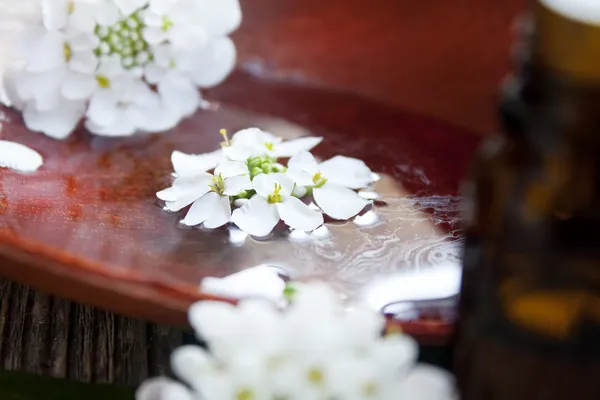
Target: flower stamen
319,180
67,52
226,142
270,146
218,184
276,196
315,376
245,394
167,24
70,6
103,81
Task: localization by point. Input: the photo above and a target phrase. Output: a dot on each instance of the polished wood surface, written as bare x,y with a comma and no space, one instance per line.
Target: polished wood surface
439,58
89,228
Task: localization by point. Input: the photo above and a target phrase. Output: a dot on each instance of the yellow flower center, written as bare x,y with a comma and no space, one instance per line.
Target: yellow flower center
276,196
218,184
167,24
70,7
315,376
319,180
270,146
245,394
103,81
67,52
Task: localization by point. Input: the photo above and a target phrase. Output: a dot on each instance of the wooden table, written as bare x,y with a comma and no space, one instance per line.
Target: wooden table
438,58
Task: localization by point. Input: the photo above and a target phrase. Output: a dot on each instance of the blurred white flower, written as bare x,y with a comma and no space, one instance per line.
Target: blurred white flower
317,349
274,201
332,181
82,57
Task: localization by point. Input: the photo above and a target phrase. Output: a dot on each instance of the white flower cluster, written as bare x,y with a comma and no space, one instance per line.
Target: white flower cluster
316,350
122,65
247,175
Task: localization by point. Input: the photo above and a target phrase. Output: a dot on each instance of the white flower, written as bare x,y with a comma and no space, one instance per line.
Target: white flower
317,349
273,201
332,182
19,157
253,142
66,68
208,193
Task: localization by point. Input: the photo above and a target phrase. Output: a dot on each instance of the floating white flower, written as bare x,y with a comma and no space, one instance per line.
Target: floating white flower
254,142
332,181
208,193
173,47
274,201
316,349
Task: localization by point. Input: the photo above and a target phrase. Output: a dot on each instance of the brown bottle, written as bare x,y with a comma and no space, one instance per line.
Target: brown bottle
529,325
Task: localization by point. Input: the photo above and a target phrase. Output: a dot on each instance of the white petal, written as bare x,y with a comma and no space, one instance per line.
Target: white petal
156,117
179,93
163,55
110,66
209,209
152,19
187,37
122,125
264,184
298,215
214,61
191,164
154,35
107,13
46,53
84,62
346,171
252,137
83,42
161,7
57,123
182,186
154,73
427,383
78,86
190,363
162,389
302,168
221,214
257,217
19,157
127,7
338,202
290,148
220,18
55,14
102,108
83,17
227,169
237,184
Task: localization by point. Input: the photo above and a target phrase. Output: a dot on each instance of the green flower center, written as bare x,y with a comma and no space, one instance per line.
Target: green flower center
218,184
263,165
319,180
125,39
276,196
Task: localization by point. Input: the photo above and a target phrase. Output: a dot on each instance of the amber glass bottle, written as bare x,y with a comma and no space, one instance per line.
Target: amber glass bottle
529,326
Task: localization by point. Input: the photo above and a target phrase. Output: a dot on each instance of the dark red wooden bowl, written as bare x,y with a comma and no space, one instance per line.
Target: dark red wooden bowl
87,225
